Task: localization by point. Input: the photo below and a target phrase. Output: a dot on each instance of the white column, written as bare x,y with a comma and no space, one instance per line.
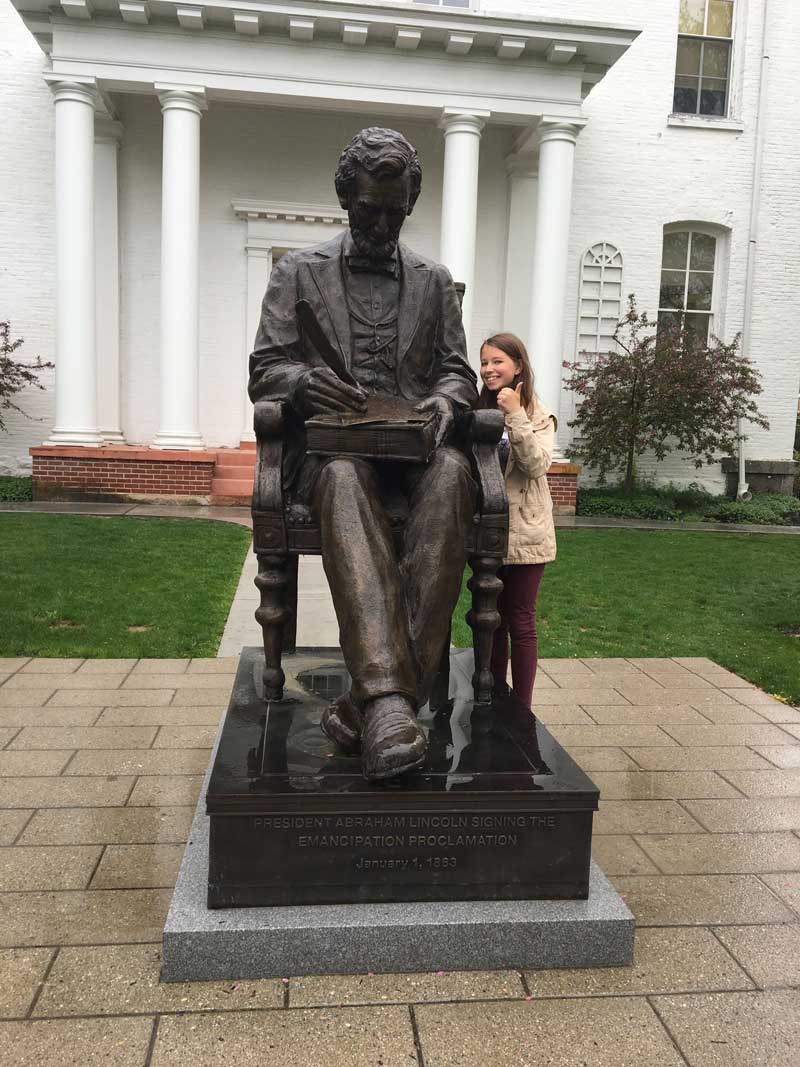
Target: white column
557,139
522,170
180,226
259,267
107,136
462,141
76,372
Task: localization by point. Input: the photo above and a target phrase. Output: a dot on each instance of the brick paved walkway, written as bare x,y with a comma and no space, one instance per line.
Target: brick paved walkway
100,766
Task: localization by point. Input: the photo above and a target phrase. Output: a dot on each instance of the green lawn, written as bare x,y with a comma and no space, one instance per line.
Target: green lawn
732,597
116,587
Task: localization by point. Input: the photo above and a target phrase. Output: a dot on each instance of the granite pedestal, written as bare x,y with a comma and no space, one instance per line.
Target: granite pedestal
593,929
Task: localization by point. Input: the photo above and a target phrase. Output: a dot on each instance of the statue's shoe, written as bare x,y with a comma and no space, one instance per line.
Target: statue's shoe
392,740
342,722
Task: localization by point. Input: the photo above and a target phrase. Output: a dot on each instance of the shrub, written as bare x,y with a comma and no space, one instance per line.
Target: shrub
16,488
660,392
765,509
616,505
14,376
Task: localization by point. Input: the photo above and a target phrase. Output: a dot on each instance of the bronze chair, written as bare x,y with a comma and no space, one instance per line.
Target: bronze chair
281,534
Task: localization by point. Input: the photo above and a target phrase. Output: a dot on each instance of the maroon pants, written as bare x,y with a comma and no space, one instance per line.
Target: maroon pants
517,607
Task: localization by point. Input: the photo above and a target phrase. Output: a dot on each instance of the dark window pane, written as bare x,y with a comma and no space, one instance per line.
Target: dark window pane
712,98
715,59
699,296
668,322
692,17
720,18
673,283
675,254
703,251
688,58
698,325
684,100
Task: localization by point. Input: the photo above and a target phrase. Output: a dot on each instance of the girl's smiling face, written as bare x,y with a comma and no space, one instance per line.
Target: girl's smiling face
498,370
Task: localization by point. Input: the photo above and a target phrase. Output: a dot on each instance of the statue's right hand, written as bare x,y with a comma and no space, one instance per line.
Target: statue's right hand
323,393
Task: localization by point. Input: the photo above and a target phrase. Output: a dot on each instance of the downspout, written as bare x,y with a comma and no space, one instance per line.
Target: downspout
742,489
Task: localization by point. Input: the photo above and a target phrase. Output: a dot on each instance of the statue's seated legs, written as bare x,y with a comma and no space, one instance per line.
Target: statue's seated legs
393,614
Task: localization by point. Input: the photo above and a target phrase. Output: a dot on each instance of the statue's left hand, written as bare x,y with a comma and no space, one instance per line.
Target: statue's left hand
444,411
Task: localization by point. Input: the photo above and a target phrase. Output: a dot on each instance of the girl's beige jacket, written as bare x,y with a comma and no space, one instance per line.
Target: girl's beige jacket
531,533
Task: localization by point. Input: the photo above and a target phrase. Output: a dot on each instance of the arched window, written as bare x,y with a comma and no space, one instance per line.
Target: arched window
600,298
688,265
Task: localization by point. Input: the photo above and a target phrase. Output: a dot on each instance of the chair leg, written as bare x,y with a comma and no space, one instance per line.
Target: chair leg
484,619
272,614
440,690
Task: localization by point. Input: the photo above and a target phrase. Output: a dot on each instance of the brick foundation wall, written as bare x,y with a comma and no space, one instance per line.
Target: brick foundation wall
61,473
562,479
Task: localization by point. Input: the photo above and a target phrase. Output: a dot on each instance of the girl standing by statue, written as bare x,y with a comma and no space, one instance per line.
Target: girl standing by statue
526,452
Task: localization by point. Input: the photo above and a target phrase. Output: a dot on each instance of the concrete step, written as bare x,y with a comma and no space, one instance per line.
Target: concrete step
235,458
232,487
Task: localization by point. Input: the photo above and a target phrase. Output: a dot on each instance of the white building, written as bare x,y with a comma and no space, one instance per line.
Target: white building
157,155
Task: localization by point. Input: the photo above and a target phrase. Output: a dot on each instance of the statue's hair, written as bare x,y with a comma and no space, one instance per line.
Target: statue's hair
382,153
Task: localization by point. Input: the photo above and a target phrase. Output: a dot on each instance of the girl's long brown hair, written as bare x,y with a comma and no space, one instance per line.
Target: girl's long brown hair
513,347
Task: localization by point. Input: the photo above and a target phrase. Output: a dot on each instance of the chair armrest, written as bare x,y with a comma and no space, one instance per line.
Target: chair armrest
269,529
481,431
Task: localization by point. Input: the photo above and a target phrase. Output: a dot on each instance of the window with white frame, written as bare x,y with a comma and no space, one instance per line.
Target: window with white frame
688,266
703,65
445,3
600,298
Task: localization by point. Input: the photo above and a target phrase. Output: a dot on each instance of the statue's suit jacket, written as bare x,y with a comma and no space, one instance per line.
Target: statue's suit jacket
431,347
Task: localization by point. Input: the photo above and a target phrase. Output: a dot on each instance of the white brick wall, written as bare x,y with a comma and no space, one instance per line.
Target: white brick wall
26,227
634,174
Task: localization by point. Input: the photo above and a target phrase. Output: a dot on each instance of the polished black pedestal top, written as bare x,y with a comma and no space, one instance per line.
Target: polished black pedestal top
275,756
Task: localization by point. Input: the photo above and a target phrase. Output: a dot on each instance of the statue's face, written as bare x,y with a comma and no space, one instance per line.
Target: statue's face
377,210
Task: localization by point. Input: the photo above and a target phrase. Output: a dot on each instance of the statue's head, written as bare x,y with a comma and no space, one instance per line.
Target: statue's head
378,181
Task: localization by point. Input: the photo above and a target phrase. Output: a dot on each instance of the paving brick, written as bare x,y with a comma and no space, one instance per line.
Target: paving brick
32,698
660,785
124,979
623,1032
18,764
95,916
619,854
51,666
781,755
68,1042
29,792
653,715
138,866
703,736
167,716
737,816
787,886
88,826
140,761
711,758
752,697
111,698
602,759
673,960
22,869
195,680
722,853
11,822
17,717
582,696
734,1029
338,990
310,1037
770,954
765,783
605,736
186,736
44,737
643,817
22,970
700,900
22,680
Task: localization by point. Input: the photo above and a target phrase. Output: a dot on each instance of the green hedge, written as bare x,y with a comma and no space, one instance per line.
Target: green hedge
15,488
673,504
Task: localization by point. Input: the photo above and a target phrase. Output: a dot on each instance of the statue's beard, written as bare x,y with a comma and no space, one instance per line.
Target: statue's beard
369,247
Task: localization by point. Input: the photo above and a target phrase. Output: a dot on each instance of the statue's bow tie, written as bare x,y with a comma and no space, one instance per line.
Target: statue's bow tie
362,265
